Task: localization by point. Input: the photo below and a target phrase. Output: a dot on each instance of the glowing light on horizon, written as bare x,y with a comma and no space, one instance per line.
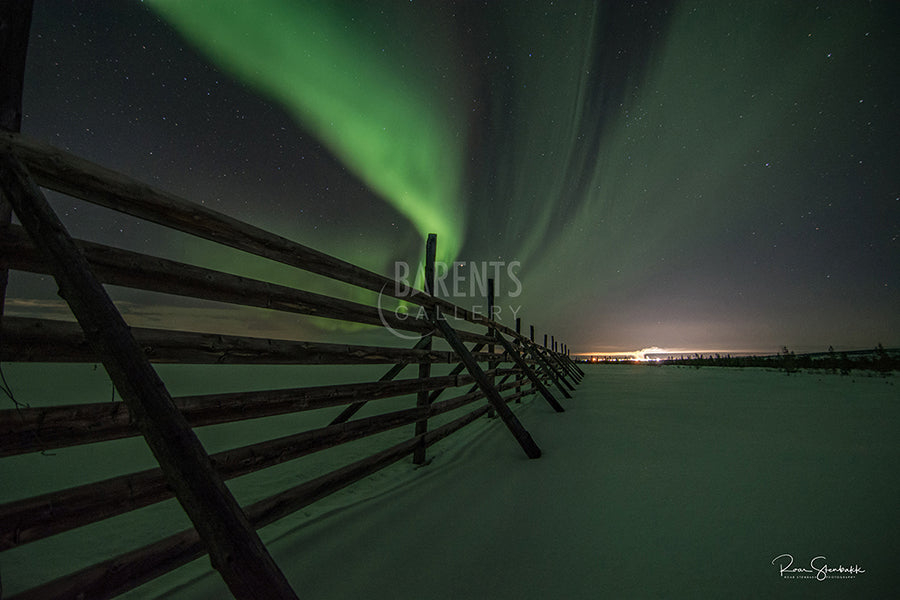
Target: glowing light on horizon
656,354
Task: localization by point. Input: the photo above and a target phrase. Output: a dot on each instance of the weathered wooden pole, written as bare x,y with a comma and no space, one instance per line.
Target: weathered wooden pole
497,402
576,367
547,365
518,345
390,375
545,340
490,298
425,368
15,24
568,364
506,415
520,362
567,360
234,547
532,333
556,361
491,332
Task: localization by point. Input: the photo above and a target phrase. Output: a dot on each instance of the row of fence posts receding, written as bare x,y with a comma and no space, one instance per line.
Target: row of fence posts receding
223,529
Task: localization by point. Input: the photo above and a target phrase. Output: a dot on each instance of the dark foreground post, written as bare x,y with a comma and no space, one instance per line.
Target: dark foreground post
491,333
422,400
15,23
234,547
518,346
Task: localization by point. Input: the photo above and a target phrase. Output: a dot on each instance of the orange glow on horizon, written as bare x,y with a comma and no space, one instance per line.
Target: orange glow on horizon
655,354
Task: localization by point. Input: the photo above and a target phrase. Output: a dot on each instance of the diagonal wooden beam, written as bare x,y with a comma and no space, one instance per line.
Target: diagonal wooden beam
542,360
497,402
565,364
509,419
575,366
517,358
455,371
424,341
555,358
235,549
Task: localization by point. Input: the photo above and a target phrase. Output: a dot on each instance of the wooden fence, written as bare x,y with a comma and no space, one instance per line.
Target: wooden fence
515,367
500,366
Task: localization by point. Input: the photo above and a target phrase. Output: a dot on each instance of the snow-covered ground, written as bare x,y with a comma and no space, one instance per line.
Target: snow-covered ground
656,482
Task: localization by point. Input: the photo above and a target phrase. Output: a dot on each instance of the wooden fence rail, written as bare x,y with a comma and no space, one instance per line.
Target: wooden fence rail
515,367
49,428
27,429
115,576
35,518
45,340
235,550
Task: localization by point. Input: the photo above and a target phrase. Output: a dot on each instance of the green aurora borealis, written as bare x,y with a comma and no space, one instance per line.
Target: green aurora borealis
327,64
689,174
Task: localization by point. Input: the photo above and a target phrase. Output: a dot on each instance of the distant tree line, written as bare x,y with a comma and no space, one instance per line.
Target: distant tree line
878,360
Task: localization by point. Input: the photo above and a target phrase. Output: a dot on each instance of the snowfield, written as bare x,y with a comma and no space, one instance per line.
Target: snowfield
656,482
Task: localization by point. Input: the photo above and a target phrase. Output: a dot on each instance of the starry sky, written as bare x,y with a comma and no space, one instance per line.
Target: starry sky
704,175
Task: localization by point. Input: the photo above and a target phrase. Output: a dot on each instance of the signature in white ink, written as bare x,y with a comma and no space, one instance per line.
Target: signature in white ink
818,569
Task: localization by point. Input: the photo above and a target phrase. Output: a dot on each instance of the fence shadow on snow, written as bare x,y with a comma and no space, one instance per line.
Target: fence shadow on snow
499,365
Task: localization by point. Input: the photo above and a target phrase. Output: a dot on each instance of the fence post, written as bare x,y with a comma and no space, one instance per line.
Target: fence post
518,345
520,362
15,23
571,366
491,333
526,442
546,363
555,360
576,367
566,364
425,368
506,415
391,373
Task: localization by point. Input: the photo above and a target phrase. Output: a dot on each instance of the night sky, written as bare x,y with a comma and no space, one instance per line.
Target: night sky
704,175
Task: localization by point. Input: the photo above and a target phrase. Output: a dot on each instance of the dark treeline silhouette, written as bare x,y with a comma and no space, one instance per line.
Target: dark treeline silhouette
877,360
